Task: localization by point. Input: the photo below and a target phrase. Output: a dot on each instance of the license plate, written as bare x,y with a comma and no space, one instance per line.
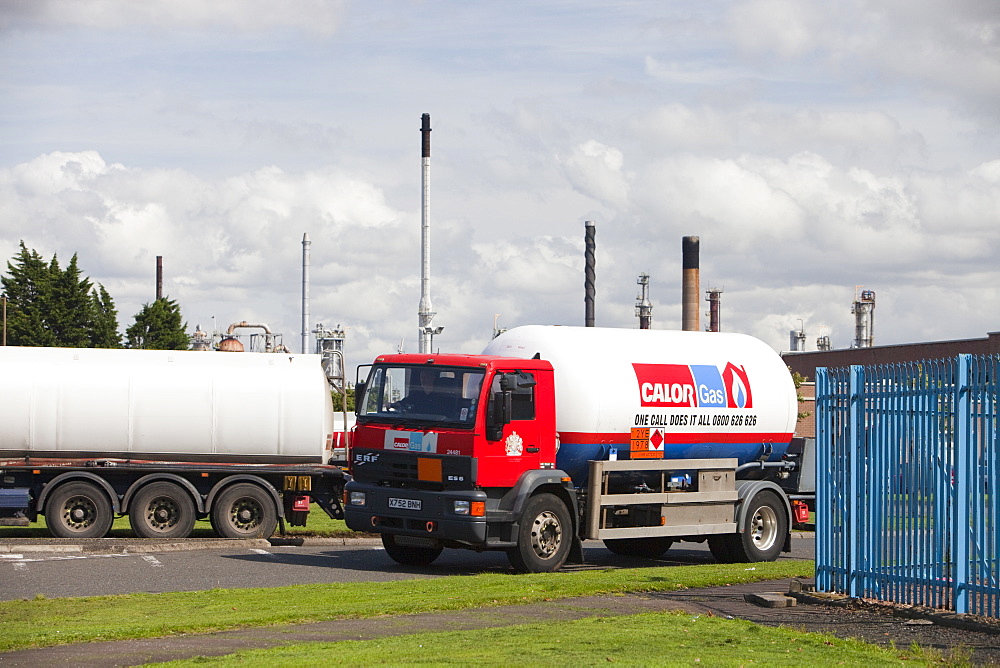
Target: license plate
405,504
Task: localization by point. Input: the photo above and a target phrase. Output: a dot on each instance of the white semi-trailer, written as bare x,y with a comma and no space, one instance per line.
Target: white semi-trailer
166,437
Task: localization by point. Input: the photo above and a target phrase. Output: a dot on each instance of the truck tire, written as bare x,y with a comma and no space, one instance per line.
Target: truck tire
162,510
764,528
244,511
649,548
409,555
544,536
79,510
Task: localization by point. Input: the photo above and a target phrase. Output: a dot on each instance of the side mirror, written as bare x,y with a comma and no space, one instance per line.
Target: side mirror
523,381
497,415
359,397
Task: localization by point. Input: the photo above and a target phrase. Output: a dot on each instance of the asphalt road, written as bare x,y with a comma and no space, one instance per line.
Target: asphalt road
27,573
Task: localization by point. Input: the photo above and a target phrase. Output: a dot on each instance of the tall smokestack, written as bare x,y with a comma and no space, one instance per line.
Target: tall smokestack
426,313
588,270
159,277
643,308
690,291
305,292
715,310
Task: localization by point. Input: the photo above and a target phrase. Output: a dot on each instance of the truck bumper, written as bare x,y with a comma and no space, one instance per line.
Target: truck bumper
411,512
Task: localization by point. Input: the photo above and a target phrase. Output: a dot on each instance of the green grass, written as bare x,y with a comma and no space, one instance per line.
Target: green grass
318,524
43,622
661,639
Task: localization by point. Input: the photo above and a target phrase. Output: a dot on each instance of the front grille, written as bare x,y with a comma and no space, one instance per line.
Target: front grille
402,469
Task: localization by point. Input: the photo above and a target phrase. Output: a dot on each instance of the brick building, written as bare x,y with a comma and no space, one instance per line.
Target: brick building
805,363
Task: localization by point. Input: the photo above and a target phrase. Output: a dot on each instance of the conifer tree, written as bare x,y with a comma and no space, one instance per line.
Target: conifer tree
104,329
70,307
27,291
158,326
50,306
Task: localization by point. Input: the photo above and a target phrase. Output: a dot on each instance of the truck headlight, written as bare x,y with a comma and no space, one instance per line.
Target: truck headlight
474,508
357,499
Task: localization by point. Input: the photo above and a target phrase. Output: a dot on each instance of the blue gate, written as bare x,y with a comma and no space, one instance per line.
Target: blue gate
907,489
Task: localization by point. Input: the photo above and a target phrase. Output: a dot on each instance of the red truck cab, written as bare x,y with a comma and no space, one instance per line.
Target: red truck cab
448,447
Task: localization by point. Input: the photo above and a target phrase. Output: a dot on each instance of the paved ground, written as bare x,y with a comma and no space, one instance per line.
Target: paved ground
866,623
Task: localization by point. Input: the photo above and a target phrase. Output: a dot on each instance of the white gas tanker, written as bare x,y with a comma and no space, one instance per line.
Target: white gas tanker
553,435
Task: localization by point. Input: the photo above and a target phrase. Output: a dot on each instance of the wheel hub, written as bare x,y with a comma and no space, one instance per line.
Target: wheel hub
546,535
764,528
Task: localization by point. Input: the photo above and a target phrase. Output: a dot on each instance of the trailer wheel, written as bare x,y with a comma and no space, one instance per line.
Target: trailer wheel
409,555
79,510
764,528
544,536
649,548
162,510
244,511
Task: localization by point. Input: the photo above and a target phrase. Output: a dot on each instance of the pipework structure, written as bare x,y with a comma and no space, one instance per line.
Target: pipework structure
797,338
643,307
863,309
425,313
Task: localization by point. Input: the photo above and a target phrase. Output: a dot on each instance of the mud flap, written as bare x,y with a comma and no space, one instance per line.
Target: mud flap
576,552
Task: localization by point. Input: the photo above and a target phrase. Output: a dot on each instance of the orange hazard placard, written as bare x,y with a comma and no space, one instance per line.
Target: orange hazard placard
645,443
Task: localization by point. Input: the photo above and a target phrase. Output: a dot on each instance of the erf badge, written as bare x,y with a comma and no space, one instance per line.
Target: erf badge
514,445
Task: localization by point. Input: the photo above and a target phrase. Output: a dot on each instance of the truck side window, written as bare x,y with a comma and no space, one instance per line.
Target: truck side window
522,404
522,400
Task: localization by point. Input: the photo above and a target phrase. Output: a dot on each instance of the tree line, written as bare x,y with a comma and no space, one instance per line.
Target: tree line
51,306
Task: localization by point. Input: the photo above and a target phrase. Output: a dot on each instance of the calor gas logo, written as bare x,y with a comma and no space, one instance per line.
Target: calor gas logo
693,386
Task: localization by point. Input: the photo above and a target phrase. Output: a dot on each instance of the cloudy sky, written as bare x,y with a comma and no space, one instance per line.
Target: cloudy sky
814,148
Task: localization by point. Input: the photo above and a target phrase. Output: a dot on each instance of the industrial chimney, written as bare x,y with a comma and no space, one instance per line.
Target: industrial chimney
159,277
690,290
643,308
589,261
425,313
864,318
305,292
714,310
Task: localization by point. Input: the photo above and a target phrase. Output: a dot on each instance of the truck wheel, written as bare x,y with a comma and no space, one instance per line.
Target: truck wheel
649,548
765,526
544,536
409,555
79,510
162,510
244,511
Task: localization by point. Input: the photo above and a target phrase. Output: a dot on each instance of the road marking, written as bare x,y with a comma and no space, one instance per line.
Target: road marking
12,556
152,561
264,553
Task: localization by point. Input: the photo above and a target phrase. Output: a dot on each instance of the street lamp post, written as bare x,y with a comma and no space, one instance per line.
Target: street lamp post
3,298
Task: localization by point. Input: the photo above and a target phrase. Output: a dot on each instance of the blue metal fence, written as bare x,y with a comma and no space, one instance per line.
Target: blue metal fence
907,489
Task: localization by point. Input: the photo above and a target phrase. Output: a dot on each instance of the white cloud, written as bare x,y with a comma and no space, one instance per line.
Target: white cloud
317,16
813,147
596,170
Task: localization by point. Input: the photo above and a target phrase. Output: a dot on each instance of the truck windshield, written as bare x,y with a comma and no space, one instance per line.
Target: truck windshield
434,395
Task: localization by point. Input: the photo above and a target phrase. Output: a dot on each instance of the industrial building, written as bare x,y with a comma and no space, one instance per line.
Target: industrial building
805,363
